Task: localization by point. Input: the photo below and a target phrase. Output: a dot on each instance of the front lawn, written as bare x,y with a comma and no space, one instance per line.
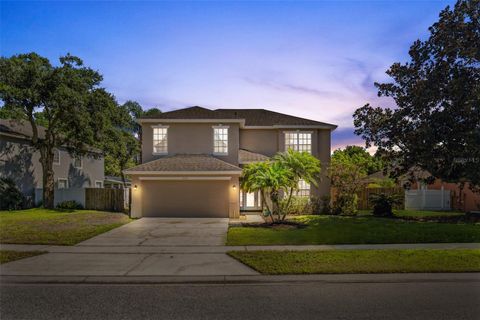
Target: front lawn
8,255
43,226
417,213
355,230
360,261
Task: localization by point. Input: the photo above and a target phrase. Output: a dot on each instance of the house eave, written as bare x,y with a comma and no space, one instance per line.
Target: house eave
200,173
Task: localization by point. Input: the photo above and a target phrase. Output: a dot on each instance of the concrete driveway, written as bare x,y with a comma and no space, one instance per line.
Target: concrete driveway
121,252
164,232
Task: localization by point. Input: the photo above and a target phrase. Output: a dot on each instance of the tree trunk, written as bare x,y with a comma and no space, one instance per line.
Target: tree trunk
288,203
46,160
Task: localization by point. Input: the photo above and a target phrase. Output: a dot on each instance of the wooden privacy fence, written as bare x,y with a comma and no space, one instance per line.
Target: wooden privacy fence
364,202
106,199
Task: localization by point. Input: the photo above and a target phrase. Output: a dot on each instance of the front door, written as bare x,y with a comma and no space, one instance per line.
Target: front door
250,201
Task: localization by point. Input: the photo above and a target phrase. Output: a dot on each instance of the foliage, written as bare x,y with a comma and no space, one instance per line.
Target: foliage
383,204
69,205
11,197
348,177
270,179
302,166
296,206
66,99
369,164
436,124
279,177
381,183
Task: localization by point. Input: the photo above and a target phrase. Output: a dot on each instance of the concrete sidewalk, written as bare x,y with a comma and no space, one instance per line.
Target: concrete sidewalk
222,249
248,279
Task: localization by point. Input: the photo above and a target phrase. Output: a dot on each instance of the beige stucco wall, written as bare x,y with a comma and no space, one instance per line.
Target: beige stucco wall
261,141
191,138
323,145
271,141
186,198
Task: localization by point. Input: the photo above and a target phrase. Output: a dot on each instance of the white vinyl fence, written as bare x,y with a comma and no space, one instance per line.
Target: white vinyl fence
427,200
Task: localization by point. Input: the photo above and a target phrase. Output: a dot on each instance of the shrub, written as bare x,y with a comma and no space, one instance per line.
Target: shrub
69,205
383,204
298,206
345,204
320,205
12,198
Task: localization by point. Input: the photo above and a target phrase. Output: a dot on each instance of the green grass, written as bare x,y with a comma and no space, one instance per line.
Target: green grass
42,226
417,213
360,261
355,230
8,255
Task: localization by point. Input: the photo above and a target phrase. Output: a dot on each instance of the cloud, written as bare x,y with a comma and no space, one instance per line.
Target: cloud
287,86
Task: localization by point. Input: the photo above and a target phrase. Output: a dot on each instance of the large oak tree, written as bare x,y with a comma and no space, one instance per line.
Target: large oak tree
65,98
436,122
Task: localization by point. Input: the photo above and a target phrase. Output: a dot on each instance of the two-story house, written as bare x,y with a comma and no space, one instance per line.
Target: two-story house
21,163
192,159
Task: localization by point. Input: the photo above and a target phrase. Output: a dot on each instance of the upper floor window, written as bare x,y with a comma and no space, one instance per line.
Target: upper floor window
303,189
220,140
77,162
160,139
56,156
298,141
62,183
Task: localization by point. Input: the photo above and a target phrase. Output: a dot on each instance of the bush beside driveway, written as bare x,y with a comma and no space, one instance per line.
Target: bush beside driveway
354,230
56,227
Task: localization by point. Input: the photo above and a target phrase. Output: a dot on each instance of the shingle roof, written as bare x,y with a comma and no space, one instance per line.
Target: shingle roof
20,127
23,129
245,156
252,117
185,162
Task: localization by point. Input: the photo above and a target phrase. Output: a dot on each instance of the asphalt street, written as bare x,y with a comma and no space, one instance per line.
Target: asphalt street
316,300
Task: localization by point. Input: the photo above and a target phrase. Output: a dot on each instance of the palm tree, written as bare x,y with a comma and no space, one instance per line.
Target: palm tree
280,176
269,178
302,166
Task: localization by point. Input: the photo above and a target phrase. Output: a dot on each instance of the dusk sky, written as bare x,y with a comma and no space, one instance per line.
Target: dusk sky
313,59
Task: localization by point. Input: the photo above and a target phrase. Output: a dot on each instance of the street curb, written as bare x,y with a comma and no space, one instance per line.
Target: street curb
253,279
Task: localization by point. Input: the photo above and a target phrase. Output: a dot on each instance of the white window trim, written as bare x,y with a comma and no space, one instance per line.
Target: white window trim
213,140
101,182
58,162
153,140
298,131
297,193
62,179
81,163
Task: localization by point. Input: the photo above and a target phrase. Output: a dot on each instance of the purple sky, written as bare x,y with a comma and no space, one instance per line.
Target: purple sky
311,59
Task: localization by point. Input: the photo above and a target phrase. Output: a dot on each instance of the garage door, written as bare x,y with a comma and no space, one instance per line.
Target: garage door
185,198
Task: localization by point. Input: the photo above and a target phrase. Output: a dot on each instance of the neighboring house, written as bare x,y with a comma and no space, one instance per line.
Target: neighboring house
192,159
20,162
112,182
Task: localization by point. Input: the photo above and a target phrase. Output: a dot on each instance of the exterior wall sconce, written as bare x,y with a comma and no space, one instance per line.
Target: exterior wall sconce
234,186
135,187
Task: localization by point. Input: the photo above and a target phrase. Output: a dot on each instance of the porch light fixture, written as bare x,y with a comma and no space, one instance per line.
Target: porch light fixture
234,186
135,187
